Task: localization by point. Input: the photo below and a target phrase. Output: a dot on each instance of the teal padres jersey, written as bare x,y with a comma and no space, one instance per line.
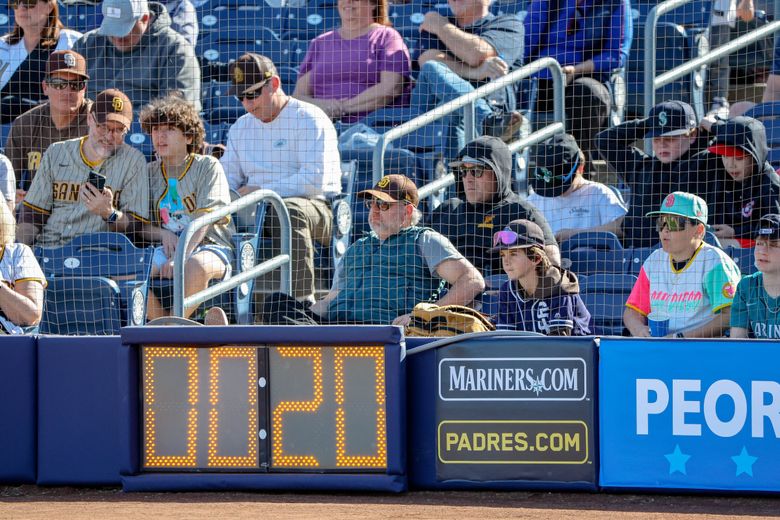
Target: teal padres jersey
201,187
64,169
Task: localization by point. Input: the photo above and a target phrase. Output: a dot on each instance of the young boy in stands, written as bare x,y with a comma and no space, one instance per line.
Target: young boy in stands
571,203
756,309
690,282
538,297
736,180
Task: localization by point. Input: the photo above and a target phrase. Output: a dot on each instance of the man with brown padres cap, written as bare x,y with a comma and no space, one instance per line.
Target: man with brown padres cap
385,274
90,184
290,147
63,117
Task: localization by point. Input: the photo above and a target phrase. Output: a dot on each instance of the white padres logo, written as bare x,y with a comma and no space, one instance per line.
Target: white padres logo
70,60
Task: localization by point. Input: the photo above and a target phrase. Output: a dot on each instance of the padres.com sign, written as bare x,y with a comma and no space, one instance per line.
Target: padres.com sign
517,410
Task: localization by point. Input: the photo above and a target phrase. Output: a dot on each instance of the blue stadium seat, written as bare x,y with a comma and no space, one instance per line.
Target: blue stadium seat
81,17
97,283
636,258
6,18
225,16
140,140
769,115
605,297
594,252
500,7
216,133
306,23
489,298
4,131
222,48
745,259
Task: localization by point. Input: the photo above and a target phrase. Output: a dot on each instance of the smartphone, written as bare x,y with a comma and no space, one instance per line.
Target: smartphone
97,180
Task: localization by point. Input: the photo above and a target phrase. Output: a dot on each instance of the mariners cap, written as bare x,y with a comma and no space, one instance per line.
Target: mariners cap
556,157
67,61
518,234
113,105
486,151
394,188
251,72
119,16
769,227
736,137
671,118
685,205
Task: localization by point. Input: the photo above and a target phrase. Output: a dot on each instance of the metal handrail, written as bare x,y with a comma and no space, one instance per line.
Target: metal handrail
467,101
282,260
653,83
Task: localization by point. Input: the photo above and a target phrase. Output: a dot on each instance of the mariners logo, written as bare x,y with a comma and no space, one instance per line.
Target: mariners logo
544,174
662,118
70,60
238,75
117,104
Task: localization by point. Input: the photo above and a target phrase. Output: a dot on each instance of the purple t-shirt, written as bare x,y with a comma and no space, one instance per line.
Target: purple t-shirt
342,69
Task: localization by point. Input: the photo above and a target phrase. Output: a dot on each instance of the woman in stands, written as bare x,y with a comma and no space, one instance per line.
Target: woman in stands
359,67
24,51
538,297
184,185
21,280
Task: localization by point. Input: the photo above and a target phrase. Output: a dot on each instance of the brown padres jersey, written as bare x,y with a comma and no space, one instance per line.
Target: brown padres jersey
34,131
55,190
201,187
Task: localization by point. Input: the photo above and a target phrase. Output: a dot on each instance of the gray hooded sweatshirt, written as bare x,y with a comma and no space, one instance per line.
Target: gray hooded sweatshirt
161,62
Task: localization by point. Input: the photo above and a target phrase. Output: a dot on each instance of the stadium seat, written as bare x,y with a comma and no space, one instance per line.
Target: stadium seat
501,7
97,283
140,140
306,23
6,18
745,259
636,258
4,131
81,16
769,115
488,300
594,252
225,16
605,297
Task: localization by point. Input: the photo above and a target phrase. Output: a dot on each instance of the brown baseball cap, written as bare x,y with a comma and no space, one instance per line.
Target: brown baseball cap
393,188
251,72
67,61
113,105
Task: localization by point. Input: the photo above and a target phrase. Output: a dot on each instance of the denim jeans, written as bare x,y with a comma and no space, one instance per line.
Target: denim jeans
437,84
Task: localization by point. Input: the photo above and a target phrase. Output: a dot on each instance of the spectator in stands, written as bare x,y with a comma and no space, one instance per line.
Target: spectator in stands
21,280
675,140
568,201
484,203
742,185
461,53
772,89
359,67
183,186
722,20
589,39
136,51
690,282
184,19
287,146
37,32
756,309
63,202
63,117
7,182
385,274
538,297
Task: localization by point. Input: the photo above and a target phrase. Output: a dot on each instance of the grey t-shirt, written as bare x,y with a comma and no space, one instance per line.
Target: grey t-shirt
433,247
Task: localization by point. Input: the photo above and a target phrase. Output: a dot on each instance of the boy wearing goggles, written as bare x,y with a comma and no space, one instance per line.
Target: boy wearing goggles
687,280
538,297
756,309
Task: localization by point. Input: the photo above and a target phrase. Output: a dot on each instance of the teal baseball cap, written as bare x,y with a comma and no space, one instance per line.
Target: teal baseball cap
685,205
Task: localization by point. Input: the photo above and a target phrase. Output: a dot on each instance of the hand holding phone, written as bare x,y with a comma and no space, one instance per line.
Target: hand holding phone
97,180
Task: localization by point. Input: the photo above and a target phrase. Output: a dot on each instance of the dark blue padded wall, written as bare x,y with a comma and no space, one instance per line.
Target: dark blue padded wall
17,409
78,430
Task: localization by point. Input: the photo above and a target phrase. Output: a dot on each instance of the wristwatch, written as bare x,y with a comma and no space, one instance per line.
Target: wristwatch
113,217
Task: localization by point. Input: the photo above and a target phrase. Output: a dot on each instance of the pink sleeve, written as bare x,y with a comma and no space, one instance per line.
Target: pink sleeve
639,299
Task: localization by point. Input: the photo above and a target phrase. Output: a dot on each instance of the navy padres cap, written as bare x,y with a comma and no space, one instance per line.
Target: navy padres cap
518,234
671,118
769,227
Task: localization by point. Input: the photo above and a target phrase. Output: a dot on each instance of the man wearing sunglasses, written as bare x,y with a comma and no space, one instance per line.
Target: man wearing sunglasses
90,184
485,203
756,309
385,274
690,282
290,147
63,117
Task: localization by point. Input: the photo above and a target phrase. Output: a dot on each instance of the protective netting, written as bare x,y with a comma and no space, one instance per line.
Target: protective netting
136,117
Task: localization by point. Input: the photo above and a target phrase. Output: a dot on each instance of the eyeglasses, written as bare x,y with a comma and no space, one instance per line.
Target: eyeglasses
381,204
475,171
62,84
29,4
506,237
104,129
770,244
673,223
252,95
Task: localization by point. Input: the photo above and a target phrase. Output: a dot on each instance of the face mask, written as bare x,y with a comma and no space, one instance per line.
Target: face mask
546,184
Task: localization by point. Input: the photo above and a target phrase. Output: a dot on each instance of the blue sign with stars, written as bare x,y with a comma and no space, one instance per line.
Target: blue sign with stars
689,414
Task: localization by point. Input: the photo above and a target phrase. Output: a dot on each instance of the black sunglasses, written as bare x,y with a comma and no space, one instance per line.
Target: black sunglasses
62,84
251,95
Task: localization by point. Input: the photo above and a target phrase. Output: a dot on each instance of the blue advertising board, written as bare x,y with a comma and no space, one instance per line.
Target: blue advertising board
690,415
